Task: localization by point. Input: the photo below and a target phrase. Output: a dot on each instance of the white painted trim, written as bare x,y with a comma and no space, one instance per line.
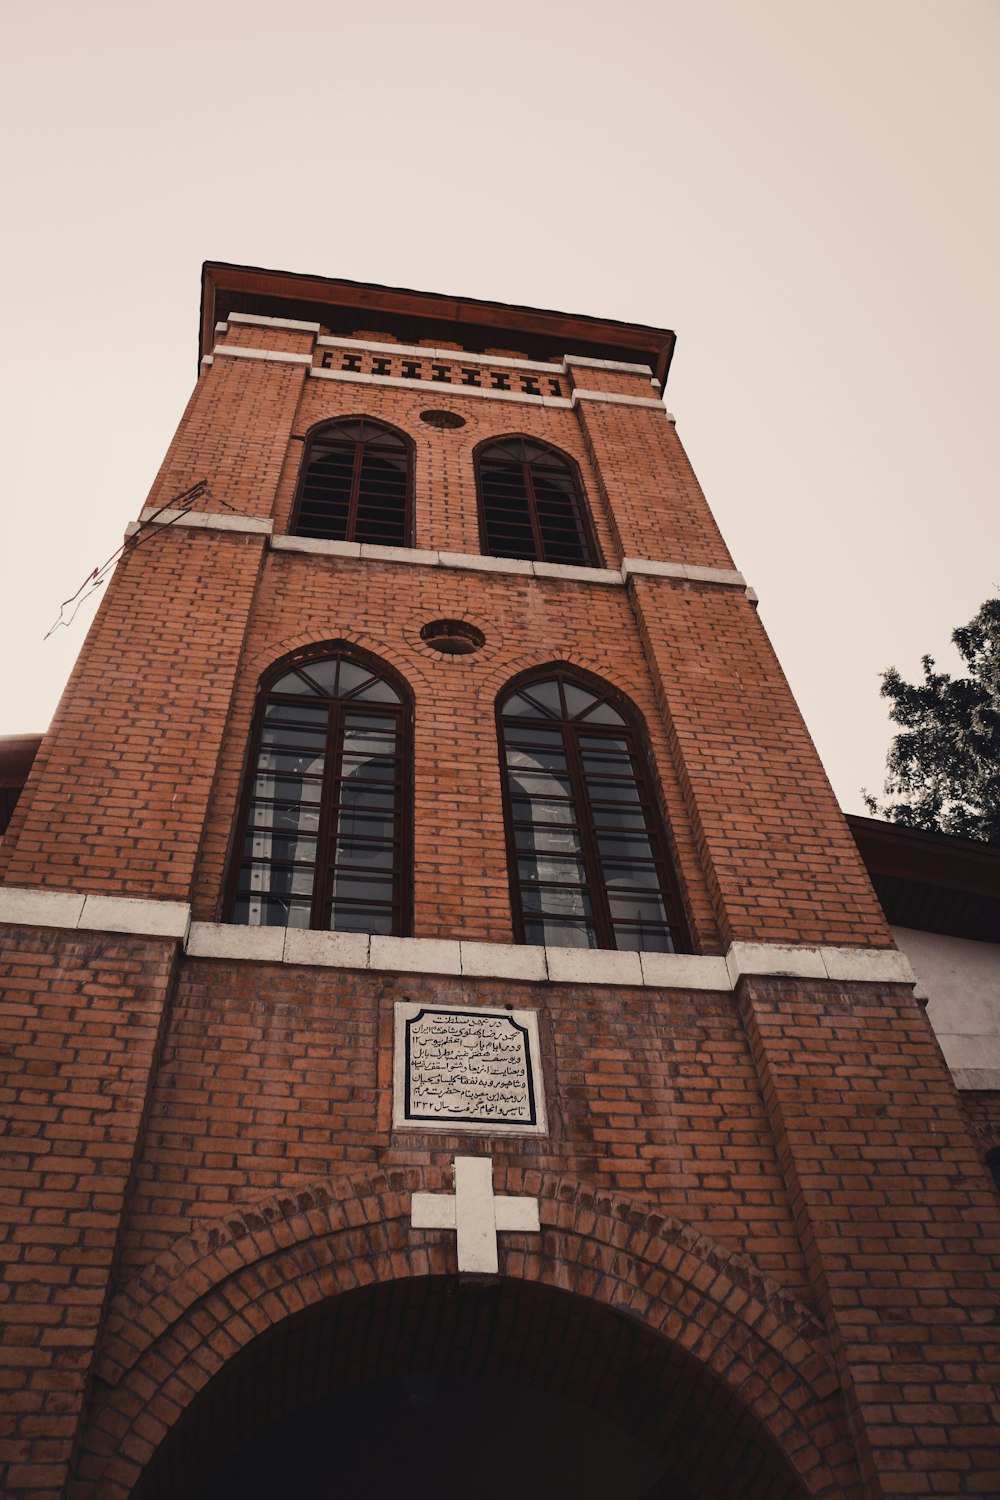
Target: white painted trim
865,965
273,356
616,398
621,367
351,377
74,910
222,327
255,320
441,356
976,1078
643,566
93,912
414,556
207,361
209,520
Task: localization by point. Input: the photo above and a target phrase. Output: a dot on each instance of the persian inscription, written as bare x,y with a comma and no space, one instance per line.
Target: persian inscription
471,1069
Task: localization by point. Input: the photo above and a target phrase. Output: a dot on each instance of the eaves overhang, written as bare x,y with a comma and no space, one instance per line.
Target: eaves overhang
343,307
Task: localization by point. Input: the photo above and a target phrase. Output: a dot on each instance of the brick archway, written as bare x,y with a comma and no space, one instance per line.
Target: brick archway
705,1313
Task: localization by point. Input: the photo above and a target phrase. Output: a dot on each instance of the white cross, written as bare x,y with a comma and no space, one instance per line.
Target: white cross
474,1213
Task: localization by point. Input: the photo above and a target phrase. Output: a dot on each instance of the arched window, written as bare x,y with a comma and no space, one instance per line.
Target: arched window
325,816
530,504
356,485
586,850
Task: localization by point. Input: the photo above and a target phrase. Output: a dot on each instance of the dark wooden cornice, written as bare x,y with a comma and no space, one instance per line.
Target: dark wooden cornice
411,316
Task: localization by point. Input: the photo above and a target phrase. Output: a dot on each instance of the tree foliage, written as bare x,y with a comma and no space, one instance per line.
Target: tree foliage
944,767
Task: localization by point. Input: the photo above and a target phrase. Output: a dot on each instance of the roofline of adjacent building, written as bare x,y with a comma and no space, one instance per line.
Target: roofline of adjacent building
227,287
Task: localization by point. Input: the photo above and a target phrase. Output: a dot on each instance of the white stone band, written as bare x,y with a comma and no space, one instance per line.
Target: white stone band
617,398
255,320
205,520
273,356
351,950
643,566
351,377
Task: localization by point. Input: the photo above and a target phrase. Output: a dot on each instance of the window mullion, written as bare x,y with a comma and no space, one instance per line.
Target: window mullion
352,505
588,839
326,832
536,526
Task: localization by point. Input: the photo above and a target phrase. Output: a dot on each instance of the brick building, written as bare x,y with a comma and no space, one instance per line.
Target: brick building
453,1041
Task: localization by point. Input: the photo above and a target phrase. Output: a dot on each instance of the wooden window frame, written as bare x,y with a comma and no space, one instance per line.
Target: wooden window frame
401,716
656,825
317,432
583,515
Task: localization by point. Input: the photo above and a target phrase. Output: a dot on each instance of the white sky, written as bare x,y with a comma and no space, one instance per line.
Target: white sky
805,190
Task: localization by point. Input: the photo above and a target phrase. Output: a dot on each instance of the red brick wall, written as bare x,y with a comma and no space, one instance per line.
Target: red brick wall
79,1030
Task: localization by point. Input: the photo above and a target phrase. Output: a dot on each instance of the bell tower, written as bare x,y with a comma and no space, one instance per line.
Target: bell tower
441,992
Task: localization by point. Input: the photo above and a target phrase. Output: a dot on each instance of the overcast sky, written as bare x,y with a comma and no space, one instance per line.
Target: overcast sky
805,192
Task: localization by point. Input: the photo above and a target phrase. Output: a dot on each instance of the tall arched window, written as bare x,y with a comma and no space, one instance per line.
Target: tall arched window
325,815
356,485
588,861
531,505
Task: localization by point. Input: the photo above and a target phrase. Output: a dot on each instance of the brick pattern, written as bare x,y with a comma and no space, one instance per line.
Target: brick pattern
781,863
79,1030
119,800
274,1077
211,1294
900,1223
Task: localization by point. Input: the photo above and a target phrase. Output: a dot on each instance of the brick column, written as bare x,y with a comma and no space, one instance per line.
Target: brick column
900,1224
81,1026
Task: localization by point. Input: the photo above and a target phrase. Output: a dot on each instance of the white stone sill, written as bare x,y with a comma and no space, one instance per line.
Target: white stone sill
83,911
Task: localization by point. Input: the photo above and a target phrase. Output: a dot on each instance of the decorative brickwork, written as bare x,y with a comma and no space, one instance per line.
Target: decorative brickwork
768,1246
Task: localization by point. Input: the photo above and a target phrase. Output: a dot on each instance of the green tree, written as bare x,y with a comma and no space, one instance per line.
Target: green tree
944,767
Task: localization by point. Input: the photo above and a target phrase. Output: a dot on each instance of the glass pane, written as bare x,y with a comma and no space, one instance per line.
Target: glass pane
369,742
527,736
276,880
368,767
349,885
556,901
279,846
355,821
287,817
295,735
286,788
298,713
625,845
293,683
540,758
607,763
366,797
635,908
604,714
577,699
379,691
560,934
644,940
612,791
547,694
324,673
372,856
552,867
548,840
352,676
618,817
538,810
522,707
288,761
539,784
264,911
641,877
361,919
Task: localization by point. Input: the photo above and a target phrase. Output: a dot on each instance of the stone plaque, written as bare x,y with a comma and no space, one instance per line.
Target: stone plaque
467,1070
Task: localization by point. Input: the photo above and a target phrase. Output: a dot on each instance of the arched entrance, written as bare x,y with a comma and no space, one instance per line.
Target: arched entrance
321,1348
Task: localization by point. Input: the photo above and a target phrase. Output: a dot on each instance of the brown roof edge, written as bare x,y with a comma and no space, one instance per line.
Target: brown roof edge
17,754
938,859
568,331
